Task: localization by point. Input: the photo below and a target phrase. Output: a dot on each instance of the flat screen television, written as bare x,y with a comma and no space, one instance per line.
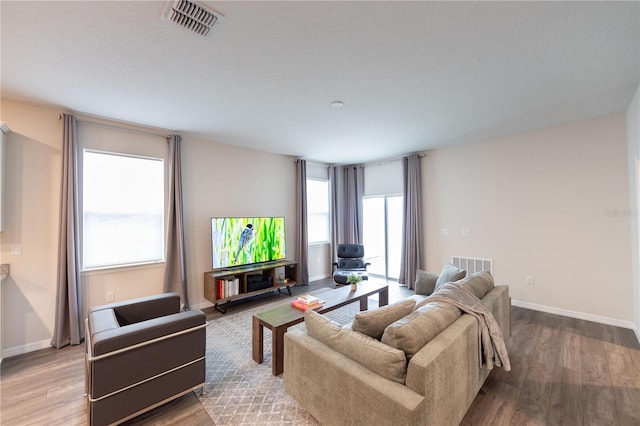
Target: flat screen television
237,241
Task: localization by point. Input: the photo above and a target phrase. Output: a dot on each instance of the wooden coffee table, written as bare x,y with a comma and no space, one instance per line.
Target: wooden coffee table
280,318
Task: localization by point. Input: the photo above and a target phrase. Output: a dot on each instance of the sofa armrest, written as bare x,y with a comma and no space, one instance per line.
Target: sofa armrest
447,372
130,335
143,308
338,390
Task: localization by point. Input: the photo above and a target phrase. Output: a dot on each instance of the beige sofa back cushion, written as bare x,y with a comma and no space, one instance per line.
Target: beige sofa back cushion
372,323
382,359
479,283
412,332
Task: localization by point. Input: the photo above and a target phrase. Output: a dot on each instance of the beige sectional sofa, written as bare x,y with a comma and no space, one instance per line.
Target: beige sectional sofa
423,368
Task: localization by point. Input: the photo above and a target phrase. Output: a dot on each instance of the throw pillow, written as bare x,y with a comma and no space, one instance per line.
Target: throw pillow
449,274
479,283
412,332
372,323
425,282
320,327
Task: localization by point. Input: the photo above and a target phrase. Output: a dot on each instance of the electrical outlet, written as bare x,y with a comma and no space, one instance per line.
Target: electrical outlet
529,279
466,233
110,296
16,249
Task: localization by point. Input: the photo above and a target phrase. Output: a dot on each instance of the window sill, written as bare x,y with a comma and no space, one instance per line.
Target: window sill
121,268
319,243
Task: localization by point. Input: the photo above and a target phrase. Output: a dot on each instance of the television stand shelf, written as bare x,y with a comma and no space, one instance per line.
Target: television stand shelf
222,286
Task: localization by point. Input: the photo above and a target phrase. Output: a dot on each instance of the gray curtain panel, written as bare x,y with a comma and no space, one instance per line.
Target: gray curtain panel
346,188
301,215
175,277
69,327
353,191
334,173
412,246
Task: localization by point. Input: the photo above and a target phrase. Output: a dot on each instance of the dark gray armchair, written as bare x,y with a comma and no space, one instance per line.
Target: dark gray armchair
350,261
140,354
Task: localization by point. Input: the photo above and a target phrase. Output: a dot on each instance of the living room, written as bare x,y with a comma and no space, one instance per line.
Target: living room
545,190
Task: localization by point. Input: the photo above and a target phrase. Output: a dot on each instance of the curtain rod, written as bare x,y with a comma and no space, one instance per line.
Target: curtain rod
313,163
420,154
389,160
121,125
371,163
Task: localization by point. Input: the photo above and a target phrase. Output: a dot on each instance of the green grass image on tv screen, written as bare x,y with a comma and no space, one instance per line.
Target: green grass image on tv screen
267,242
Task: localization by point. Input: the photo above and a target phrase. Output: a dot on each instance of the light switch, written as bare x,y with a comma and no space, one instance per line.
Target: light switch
466,233
445,232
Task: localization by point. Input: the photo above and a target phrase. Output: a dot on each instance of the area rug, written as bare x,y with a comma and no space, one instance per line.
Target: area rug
239,391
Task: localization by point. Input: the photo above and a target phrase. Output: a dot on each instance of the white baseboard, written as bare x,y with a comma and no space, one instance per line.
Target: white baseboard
23,349
319,277
202,305
574,314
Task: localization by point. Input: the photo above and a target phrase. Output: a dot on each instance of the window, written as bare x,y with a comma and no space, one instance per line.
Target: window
122,209
317,211
382,218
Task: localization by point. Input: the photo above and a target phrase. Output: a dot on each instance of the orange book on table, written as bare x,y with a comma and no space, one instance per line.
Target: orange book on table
303,306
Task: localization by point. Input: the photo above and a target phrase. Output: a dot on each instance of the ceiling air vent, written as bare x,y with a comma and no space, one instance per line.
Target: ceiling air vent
192,16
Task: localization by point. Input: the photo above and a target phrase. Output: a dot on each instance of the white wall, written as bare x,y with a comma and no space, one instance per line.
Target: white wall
548,203
32,197
633,146
221,180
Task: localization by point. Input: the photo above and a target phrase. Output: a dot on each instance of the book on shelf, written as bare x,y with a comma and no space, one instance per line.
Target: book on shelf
228,287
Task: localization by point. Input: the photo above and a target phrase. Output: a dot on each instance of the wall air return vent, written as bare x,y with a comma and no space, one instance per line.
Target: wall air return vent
192,16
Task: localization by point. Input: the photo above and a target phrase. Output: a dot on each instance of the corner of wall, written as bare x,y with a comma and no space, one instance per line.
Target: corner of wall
633,143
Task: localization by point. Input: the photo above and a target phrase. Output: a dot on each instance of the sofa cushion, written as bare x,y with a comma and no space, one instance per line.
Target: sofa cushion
449,274
382,359
412,332
479,283
321,328
373,322
425,282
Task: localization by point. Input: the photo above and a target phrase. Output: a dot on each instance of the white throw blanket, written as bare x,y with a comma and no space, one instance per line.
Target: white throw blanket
492,350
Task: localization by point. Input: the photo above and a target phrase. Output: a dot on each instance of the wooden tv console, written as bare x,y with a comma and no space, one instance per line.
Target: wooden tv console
283,273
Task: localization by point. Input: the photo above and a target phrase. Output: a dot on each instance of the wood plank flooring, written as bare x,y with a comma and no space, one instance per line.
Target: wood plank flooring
564,372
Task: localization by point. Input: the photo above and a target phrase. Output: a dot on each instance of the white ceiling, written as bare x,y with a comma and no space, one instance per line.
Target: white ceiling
412,75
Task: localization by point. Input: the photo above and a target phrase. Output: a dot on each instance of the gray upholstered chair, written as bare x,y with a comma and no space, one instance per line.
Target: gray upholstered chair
140,354
350,261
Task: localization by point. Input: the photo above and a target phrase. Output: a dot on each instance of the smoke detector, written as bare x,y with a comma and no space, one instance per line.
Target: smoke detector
192,16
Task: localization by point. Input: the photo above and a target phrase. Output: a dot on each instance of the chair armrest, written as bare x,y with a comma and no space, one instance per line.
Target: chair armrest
366,264
146,331
143,308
